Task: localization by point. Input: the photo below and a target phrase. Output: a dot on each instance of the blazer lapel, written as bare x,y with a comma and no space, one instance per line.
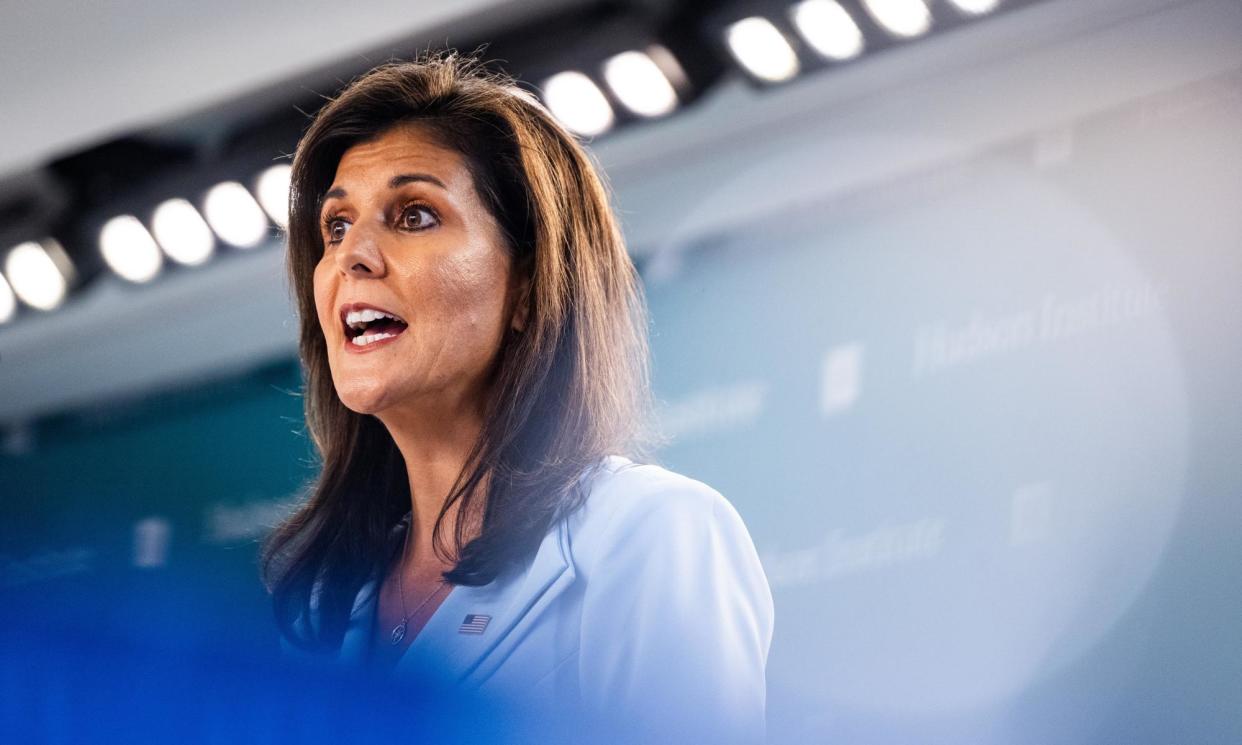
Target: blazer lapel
452,648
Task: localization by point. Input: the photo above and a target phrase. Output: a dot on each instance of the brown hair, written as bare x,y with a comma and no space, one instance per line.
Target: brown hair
570,388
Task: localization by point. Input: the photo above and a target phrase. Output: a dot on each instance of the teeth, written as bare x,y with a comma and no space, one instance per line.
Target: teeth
356,318
366,339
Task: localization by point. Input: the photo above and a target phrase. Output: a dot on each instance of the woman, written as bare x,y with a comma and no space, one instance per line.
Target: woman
473,336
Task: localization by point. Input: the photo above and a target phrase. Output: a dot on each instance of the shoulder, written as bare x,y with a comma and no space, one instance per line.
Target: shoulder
669,571
621,491
648,508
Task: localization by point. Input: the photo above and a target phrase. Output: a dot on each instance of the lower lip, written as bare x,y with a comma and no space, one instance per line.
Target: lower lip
353,348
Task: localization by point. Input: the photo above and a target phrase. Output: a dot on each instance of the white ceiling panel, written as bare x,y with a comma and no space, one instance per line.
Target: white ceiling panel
77,72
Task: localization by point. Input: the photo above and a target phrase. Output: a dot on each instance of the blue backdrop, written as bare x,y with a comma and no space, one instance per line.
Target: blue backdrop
982,421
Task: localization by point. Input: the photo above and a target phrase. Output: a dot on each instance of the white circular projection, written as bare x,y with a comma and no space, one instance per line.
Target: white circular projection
35,277
641,85
578,103
828,28
762,49
975,7
1039,416
129,250
234,214
272,189
904,18
182,232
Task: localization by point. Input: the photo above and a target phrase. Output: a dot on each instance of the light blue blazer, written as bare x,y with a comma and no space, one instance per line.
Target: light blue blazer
648,605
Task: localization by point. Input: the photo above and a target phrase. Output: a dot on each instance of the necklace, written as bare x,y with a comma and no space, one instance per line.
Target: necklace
398,631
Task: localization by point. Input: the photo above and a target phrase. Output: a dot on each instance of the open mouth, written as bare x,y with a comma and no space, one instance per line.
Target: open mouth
365,325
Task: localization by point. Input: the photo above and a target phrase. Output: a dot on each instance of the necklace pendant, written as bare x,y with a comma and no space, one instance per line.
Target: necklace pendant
398,633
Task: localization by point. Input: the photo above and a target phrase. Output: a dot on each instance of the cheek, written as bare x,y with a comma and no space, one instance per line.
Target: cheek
475,285
323,296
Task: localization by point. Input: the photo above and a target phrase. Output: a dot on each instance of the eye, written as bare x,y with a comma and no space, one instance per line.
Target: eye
334,228
417,217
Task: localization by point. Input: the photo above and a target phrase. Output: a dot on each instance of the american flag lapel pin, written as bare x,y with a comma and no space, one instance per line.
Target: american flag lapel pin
475,623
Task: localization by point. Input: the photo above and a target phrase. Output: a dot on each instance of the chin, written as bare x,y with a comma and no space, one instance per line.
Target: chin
359,408
361,399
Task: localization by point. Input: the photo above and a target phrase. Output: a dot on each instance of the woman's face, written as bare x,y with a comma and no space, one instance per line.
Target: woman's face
414,290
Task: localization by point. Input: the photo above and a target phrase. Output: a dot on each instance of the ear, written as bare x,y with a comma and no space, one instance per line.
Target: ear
521,302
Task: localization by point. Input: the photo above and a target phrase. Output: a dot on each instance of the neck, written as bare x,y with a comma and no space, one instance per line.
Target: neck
435,446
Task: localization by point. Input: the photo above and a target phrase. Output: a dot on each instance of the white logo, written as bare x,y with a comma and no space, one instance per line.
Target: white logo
152,536
840,378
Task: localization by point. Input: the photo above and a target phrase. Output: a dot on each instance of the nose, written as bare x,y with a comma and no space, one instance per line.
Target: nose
359,254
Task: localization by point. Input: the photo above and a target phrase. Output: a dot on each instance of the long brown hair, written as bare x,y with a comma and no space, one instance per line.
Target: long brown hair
571,387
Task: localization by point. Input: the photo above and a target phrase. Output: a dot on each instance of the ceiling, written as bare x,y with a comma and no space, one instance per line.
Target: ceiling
79,73
675,182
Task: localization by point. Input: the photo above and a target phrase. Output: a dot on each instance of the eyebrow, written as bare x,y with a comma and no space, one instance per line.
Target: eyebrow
393,183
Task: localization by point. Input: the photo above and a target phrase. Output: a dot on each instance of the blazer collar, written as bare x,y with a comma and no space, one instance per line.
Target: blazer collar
512,603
